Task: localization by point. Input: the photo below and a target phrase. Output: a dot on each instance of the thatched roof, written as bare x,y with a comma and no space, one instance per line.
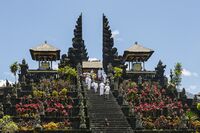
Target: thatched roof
44,47
137,53
138,48
92,64
45,52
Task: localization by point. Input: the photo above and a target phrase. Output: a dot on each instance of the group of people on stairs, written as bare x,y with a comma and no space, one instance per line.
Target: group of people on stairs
103,86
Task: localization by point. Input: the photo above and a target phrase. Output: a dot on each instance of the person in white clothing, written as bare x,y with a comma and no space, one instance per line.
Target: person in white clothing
94,86
104,77
101,90
107,91
99,74
86,79
89,80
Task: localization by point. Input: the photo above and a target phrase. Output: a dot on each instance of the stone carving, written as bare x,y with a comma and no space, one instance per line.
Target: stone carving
78,52
139,122
110,54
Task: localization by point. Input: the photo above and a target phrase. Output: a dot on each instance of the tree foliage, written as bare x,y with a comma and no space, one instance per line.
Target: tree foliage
14,68
118,72
68,71
177,74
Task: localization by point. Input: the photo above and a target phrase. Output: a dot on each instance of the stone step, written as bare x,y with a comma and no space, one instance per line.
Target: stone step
100,109
112,130
111,124
106,115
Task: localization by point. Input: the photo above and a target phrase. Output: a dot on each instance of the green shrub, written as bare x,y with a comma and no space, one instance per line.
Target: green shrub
55,93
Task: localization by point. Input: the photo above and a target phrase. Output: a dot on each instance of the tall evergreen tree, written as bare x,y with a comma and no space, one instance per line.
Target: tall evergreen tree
177,74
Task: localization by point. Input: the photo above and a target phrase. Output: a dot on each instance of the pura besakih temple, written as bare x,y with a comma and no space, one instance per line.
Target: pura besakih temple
110,54
135,58
63,100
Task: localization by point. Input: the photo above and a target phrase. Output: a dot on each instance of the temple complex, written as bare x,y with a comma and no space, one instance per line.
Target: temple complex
135,100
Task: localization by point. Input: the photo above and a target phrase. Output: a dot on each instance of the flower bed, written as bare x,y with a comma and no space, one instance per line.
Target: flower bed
158,109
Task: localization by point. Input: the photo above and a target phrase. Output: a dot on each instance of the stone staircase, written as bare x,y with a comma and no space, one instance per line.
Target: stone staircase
106,115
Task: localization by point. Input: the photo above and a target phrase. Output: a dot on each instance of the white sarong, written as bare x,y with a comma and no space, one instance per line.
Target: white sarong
101,86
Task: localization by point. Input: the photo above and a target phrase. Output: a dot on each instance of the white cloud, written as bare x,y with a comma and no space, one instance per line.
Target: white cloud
115,33
188,73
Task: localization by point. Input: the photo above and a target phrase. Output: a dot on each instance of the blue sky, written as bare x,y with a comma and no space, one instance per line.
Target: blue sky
171,28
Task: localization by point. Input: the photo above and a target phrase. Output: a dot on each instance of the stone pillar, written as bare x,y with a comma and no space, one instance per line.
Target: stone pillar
143,66
38,64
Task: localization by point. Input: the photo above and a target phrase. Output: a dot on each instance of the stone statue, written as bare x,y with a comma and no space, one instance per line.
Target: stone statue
160,70
183,124
8,99
80,95
140,80
125,102
7,83
139,99
120,89
81,112
42,110
1,110
82,116
79,68
110,70
82,105
14,92
83,123
132,110
139,122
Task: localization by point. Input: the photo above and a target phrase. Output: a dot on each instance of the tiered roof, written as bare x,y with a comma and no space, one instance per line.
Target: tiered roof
45,52
137,53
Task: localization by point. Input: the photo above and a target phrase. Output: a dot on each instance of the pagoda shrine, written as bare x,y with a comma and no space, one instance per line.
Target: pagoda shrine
135,58
44,54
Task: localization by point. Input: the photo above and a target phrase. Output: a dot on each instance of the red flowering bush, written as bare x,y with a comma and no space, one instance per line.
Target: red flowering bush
26,108
153,101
